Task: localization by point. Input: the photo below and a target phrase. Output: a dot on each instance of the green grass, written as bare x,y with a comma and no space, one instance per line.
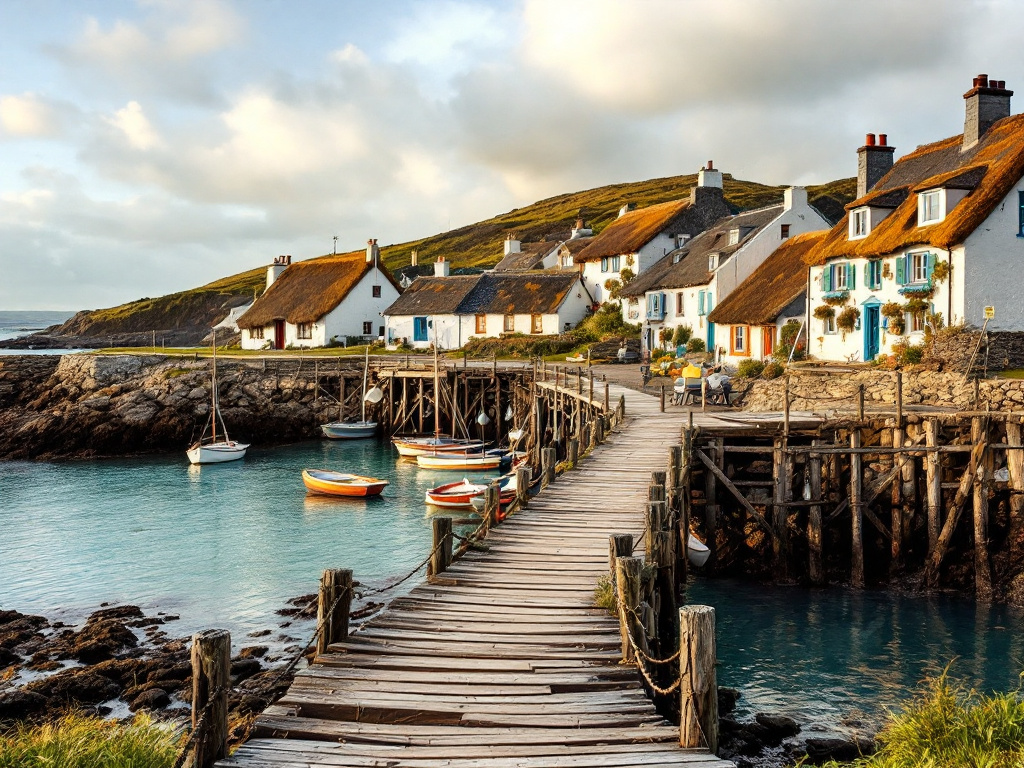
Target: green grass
950,726
78,741
1013,373
604,595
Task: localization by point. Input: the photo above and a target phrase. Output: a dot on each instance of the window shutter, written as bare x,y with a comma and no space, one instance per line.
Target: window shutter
707,303
700,302
868,282
929,265
851,276
826,279
901,270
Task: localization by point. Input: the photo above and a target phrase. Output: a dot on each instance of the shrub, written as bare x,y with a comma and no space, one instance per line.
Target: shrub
788,336
695,345
603,324
846,320
824,312
907,353
604,595
682,335
750,369
773,370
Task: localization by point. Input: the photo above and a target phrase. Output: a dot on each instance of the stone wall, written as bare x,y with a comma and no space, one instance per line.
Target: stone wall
997,352
831,390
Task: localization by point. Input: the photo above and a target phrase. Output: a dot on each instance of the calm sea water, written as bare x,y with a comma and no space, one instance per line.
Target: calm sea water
21,323
226,546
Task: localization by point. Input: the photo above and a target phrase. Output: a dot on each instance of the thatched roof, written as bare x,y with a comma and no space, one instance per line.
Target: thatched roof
774,285
530,256
308,290
989,170
688,265
632,231
496,293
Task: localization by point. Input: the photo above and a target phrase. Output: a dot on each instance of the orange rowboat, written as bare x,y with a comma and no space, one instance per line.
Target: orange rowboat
333,483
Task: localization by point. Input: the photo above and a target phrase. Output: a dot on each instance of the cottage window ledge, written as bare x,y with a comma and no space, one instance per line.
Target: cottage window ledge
836,295
920,288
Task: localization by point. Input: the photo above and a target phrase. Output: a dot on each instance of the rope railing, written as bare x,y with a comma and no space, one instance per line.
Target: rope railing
201,724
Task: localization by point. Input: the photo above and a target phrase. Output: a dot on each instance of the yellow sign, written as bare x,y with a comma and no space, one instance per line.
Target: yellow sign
990,312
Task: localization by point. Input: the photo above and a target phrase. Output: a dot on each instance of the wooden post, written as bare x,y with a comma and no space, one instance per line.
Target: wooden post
336,592
628,588
523,486
341,394
856,513
619,545
211,681
492,498
860,402
896,525
933,479
814,564
662,398
606,401
982,480
547,457
579,381
785,408
1015,465
711,497
591,388
441,546
780,542
599,430
698,686
683,521
899,400
574,452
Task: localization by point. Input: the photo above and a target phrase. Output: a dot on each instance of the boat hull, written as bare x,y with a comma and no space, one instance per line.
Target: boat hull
697,552
330,483
429,445
216,453
458,462
351,430
455,495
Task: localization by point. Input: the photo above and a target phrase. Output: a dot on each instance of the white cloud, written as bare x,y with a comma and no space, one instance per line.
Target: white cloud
135,126
30,116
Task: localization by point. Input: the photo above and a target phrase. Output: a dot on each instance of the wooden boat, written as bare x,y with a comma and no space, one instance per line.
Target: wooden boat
208,449
487,460
697,551
350,430
333,483
421,446
458,494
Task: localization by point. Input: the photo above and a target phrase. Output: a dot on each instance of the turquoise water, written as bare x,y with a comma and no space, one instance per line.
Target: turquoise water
225,546
222,546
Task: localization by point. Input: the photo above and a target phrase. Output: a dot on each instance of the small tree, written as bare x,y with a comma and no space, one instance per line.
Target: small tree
682,334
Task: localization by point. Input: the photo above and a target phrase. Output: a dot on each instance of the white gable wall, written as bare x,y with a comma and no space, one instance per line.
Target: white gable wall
994,255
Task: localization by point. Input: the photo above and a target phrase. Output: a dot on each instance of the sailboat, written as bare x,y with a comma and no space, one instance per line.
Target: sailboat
210,450
348,430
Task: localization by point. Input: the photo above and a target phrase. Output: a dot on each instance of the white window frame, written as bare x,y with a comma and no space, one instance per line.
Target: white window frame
930,207
734,236
828,326
256,333
739,339
918,268
304,331
860,223
839,276
916,322
509,323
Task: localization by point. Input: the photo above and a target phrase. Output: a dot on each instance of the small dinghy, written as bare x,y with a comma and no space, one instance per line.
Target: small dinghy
489,460
458,494
420,446
331,483
697,551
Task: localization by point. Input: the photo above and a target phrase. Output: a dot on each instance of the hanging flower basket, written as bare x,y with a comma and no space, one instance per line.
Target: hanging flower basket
846,320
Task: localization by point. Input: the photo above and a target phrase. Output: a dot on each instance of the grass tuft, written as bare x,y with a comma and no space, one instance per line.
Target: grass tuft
81,741
604,595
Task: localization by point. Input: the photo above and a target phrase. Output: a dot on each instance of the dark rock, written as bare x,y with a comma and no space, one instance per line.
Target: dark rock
7,658
779,726
150,621
100,640
17,705
726,725
75,686
244,668
727,698
118,612
154,698
843,750
253,652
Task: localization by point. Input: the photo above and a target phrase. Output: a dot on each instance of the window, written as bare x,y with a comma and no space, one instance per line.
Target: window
380,331
481,323
859,223
367,328
734,236
604,263
840,278
419,329
510,323
739,340
712,262
567,260
536,324
929,206
919,272
915,321
785,231
828,325
376,291
679,304
256,333
873,274
914,268
305,331
613,264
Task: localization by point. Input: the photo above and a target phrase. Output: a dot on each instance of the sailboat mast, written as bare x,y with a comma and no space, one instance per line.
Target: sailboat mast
437,391
366,373
213,392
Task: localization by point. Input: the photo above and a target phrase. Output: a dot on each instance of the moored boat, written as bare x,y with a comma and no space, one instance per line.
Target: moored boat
461,462
457,494
421,446
349,430
697,551
331,483
208,449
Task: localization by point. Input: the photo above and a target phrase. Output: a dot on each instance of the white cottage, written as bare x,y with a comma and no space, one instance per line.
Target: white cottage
311,303
936,238
639,238
452,310
684,287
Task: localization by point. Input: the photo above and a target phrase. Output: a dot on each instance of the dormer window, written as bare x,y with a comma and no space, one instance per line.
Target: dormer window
734,236
860,221
712,262
929,207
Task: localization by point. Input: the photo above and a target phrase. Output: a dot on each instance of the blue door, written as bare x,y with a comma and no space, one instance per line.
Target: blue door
871,319
711,337
419,329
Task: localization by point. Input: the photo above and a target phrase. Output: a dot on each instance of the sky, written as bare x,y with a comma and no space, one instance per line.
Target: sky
148,146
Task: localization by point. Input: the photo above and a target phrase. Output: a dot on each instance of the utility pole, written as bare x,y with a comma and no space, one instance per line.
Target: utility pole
335,245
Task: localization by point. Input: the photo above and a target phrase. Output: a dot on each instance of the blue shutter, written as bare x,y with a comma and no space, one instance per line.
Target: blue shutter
700,302
826,279
664,303
901,270
929,265
868,282
851,277
708,302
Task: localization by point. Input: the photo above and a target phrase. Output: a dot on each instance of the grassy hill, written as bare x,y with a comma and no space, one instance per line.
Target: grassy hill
475,245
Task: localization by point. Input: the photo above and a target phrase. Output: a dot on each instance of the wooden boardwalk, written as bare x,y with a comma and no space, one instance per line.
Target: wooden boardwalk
505,662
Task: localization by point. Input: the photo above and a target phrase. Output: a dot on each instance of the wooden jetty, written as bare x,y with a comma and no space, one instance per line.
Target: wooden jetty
500,659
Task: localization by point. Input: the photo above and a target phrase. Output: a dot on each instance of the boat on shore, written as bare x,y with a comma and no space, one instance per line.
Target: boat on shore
331,483
208,449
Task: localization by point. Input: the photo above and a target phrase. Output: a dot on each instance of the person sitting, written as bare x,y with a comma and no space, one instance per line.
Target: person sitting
719,382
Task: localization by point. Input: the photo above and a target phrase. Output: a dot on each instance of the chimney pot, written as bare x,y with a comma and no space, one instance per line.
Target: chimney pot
869,140
983,80
883,139
711,165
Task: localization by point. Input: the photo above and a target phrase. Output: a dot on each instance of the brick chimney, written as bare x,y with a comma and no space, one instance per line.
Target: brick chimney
709,176
274,270
987,102
874,160
441,267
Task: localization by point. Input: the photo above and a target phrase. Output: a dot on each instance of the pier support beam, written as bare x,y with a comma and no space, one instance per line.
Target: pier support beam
628,589
211,681
441,546
698,685
335,601
856,512
814,561
933,480
982,480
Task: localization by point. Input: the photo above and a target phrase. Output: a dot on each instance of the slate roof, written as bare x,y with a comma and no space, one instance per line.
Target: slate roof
988,170
774,285
308,290
531,256
633,230
497,293
691,260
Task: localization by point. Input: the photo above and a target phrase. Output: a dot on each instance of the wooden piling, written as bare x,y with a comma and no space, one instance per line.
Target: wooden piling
856,512
523,486
814,564
547,457
1015,466
711,497
982,480
607,405
933,481
441,546
619,545
574,452
628,588
333,606
860,402
896,525
662,398
211,682
780,542
698,684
